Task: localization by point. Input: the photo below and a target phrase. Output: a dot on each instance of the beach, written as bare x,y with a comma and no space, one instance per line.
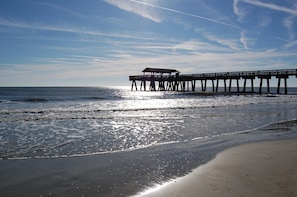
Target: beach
256,169
253,169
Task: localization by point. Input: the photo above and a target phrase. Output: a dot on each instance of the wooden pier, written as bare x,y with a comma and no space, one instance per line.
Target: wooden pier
171,80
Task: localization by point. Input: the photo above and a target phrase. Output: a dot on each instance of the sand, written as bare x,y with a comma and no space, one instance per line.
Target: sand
256,169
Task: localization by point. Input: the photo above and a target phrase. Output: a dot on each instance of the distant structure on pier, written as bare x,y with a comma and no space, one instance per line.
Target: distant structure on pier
157,75
160,79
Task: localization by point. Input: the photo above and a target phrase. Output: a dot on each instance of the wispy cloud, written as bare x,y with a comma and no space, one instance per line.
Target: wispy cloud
202,62
56,7
230,44
264,21
270,6
195,46
198,60
235,7
239,13
69,29
291,44
244,40
288,23
136,8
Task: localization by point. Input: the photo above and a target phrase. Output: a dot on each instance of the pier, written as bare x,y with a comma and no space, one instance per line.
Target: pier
158,79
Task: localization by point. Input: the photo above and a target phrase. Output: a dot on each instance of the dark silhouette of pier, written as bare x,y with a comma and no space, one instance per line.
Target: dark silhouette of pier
160,79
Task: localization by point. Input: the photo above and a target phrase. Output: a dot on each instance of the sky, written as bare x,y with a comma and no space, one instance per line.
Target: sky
102,42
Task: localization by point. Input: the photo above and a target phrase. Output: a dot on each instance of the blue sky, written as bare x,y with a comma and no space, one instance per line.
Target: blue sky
102,42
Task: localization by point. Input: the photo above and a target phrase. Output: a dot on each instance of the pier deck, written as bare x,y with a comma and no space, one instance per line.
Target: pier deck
171,80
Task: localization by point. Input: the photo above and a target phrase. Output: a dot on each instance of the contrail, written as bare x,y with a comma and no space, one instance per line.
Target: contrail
187,14
205,18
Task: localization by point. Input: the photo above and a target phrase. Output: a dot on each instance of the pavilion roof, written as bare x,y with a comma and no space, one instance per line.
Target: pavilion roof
160,70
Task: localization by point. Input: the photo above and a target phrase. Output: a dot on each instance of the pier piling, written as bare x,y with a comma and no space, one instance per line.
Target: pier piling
284,77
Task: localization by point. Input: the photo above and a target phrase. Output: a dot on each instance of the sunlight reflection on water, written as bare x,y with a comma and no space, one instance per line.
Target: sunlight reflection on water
126,120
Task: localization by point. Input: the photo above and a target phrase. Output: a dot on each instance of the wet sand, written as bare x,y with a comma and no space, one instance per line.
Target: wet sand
256,169
117,174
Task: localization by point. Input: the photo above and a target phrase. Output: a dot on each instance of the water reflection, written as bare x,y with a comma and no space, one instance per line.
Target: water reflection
132,120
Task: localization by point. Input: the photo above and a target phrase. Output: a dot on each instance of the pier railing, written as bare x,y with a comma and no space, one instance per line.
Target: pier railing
259,73
159,77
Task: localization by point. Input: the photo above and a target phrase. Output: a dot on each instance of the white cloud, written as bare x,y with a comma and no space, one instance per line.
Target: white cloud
265,18
195,46
185,24
270,6
191,45
231,44
264,21
236,10
288,23
235,7
68,29
136,8
85,68
243,40
291,44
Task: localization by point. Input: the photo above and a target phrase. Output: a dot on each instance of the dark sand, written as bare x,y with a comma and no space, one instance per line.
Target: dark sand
116,174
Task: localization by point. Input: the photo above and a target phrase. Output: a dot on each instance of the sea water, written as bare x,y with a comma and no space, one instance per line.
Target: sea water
50,122
92,141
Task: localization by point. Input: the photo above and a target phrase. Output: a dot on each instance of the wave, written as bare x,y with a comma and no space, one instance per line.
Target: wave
88,113
95,98
207,139
35,100
56,99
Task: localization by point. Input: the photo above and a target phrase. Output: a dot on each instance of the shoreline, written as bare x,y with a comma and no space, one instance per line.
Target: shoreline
265,168
125,173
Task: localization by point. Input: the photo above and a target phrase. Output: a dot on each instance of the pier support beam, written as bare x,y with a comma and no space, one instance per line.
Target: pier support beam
285,77
152,85
237,83
170,86
202,85
213,85
193,85
160,86
217,87
134,84
176,84
205,85
252,83
143,84
261,82
183,86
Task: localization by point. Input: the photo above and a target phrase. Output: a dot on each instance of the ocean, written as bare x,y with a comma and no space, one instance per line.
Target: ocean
134,139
